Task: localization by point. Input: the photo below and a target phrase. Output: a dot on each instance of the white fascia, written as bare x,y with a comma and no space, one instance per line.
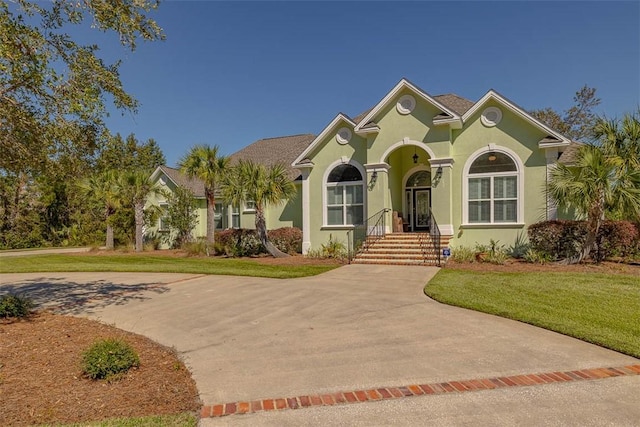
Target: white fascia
325,132
402,84
492,94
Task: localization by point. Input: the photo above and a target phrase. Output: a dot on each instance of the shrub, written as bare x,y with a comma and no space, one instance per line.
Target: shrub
561,239
332,249
198,247
537,257
520,247
287,239
463,254
15,306
109,358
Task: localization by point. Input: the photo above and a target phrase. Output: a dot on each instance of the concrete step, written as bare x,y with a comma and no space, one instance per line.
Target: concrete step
395,262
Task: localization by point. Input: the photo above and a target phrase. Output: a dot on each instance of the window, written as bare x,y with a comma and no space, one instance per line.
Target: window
493,189
235,217
162,221
344,196
218,217
249,206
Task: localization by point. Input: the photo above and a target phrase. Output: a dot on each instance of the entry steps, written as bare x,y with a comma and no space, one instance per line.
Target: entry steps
402,249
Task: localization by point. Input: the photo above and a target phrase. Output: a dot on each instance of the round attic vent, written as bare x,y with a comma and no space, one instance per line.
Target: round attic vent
343,136
406,104
491,116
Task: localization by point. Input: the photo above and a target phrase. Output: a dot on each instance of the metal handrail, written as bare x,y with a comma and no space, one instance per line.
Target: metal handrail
434,233
364,235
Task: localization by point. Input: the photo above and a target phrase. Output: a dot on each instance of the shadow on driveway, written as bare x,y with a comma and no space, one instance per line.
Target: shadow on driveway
68,297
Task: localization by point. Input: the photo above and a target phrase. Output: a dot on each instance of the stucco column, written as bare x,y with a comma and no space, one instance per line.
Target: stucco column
306,211
378,195
551,155
441,194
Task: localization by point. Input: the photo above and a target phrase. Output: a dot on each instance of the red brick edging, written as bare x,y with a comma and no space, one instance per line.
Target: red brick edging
357,396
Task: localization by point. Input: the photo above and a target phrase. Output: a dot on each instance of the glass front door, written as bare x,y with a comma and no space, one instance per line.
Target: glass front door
421,205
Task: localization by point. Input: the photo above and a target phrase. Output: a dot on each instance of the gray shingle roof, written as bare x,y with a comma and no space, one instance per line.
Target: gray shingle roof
195,185
454,102
570,154
270,151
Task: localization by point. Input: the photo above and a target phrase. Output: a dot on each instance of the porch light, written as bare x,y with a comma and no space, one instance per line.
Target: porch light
415,156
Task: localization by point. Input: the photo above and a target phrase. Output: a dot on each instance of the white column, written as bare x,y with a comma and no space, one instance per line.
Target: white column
306,211
551,155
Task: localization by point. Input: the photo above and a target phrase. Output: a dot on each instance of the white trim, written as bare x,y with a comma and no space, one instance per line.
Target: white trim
325,132
406,141
445,162
343,136
377,167
402,84
446,229
406,99
487,121
306,212
363,173
465,185
518,111
494,225
551,155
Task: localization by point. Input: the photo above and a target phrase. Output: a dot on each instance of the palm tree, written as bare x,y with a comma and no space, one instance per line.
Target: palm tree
136,187
203,162
264,186
604,179
104,188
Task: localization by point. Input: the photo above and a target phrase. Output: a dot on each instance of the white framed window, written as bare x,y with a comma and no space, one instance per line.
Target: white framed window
162,221
218,217
235,217
249,206
493,192
344,196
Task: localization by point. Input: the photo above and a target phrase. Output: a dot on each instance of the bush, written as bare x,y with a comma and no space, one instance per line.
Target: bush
520,246
199,247
287,239
463,254
332,249
536,257
15,306
244,242
560,239
109,358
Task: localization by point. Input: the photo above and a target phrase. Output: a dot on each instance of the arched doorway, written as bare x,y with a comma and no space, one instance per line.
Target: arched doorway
417,199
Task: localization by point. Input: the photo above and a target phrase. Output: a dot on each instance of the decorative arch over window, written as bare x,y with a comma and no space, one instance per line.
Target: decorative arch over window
344,195
493,187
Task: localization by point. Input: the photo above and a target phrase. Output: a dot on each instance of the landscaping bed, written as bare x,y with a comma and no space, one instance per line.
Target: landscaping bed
41,379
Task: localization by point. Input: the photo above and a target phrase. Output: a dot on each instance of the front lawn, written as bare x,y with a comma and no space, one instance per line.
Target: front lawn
296,267
599,308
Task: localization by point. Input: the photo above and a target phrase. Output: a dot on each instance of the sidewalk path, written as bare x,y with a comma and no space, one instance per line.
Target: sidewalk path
358,327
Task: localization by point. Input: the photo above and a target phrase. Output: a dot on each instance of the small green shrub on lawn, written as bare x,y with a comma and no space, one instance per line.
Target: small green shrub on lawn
463,254
334,249
15,306
108,358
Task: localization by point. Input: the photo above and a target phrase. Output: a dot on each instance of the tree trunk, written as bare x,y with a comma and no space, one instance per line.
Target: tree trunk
594,221
109,243
139,218
211,224
261,229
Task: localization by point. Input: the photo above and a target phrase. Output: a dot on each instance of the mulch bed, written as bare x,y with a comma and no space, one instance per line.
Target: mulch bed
516,266
41,379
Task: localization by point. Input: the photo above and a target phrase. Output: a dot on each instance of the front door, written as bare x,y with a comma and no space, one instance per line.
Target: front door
419,208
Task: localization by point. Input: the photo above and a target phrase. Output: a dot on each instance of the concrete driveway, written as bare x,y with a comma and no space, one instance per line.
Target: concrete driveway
353,328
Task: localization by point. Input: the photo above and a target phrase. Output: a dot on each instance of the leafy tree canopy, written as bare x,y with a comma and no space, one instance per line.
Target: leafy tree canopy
578,121
130,155
53,90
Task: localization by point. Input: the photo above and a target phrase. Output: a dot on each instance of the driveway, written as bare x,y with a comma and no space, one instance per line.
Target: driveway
353,328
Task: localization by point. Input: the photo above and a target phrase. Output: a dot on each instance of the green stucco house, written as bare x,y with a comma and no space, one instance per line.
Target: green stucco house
475,170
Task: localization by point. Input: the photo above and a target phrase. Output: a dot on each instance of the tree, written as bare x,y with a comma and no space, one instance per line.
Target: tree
604,179
265,186
181,214
104,188
53,90
130,154
135,187
578,121
203,162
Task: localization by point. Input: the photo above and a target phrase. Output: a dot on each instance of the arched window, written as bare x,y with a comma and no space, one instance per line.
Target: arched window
493,189
345,196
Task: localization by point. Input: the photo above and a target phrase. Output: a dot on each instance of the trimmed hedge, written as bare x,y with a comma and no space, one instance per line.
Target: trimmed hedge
244,242
563,238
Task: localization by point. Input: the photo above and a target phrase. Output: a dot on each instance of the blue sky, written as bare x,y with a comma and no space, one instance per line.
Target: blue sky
230,73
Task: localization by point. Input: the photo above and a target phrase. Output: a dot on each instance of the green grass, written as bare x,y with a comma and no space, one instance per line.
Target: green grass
597,308
156,264
178,420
